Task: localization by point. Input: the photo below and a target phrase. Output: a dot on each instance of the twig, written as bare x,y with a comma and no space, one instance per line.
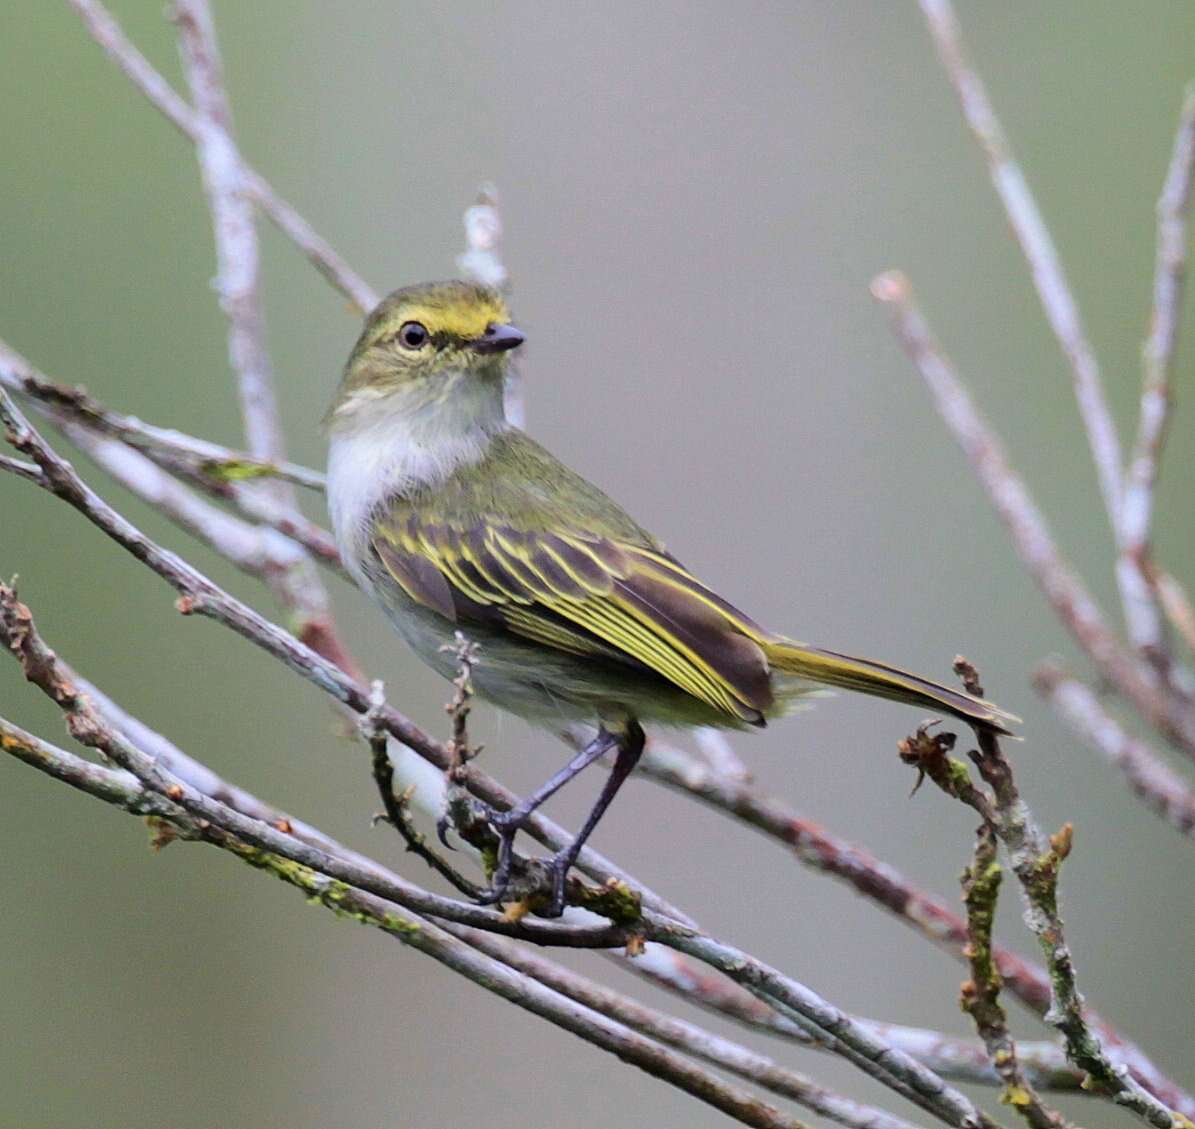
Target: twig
826,853
1141,612
1162,789
23,470
980,994
41,666
237,257
1177,605
126,791
1036,862
1031,233
685,1036
482,262
108,34
807,1009
946,1055
298,587
221,464
1031,537
373,729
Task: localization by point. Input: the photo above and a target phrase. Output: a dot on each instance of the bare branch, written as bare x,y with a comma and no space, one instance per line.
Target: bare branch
1162,789
980,996
108,34
685,1036
482,262
821,1019
947,1055
237,257
819,849
1171,714
126,791
1034,238
1141,611
219,463
1036,861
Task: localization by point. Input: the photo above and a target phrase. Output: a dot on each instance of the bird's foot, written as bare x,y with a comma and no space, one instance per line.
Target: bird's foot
506,825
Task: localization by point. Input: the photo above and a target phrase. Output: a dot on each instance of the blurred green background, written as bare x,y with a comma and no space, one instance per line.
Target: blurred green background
696,197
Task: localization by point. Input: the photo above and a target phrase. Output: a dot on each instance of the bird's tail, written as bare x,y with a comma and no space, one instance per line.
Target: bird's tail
882,681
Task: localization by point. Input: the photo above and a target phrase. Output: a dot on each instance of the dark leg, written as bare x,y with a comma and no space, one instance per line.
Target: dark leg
508,823
630,748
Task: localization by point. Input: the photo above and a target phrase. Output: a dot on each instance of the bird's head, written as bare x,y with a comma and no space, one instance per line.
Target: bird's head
424,341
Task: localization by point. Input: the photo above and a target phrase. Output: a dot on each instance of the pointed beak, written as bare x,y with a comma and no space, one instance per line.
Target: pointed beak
498,339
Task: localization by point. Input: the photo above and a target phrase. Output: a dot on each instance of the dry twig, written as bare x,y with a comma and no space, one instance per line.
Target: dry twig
1036,861
1162,789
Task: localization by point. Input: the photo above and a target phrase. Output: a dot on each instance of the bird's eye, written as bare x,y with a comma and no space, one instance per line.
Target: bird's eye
413,334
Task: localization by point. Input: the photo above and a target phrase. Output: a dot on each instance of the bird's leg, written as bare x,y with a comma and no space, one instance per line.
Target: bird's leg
630,749
508,823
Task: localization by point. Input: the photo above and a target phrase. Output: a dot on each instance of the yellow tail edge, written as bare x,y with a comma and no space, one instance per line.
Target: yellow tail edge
865,676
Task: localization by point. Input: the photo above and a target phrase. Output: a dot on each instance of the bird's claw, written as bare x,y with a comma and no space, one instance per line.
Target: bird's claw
443,825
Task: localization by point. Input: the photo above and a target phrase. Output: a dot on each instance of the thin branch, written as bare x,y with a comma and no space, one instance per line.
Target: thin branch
1177,605
397,807
1066,593
88,725
238,261
980,996
221,464
820,850
888,1065
482,262
1031,233
23,470
1036,861
298,587
108,34
124,790
962,1060
1162,789
1141,611
1045,1063
688,1037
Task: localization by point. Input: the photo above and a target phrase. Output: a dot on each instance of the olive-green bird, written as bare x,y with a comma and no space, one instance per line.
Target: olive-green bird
452,519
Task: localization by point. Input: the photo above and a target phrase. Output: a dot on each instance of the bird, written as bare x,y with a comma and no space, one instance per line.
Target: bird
456,521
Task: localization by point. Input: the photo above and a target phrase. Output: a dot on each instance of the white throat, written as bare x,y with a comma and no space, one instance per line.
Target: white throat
385,445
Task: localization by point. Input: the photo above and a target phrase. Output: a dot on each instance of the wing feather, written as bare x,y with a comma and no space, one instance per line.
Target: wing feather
583,595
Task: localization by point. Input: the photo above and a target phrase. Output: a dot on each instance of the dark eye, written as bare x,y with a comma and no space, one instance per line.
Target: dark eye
413,334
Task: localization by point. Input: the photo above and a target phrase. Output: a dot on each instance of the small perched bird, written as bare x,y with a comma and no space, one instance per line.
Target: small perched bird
452,519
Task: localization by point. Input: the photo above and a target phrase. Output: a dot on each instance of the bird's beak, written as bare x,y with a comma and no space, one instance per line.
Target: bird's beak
498,339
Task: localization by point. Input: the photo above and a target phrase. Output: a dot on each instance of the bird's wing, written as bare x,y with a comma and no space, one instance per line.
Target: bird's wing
585,594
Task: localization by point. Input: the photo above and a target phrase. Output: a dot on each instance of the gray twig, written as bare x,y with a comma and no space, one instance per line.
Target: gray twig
1162,789
1137,586
108,34
126,791
212,460
689,1037
1036,861
1049,278
1074,605
980,995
